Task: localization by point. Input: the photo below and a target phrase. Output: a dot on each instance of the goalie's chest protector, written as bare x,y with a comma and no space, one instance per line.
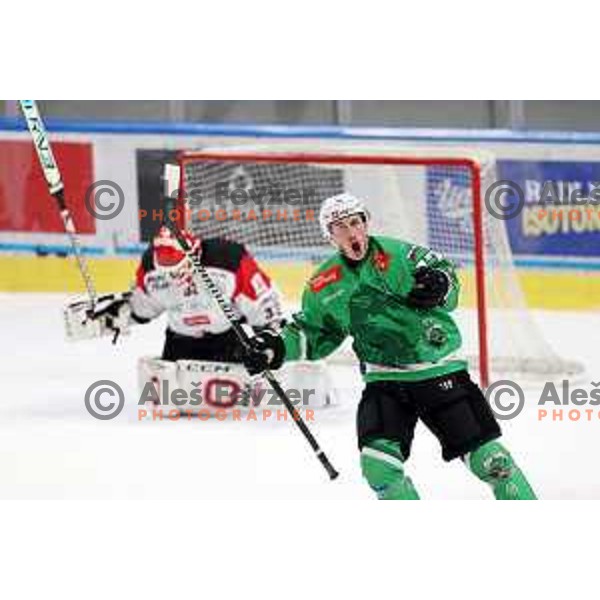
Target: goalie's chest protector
190,308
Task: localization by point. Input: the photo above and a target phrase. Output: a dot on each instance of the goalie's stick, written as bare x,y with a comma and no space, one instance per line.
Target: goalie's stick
56,188
245,340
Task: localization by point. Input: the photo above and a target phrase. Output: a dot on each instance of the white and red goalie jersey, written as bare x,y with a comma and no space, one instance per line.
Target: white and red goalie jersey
164,282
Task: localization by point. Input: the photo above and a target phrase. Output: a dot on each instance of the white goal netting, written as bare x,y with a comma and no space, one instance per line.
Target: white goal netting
268,198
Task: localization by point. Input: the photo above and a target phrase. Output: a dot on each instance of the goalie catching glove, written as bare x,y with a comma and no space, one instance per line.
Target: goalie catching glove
266,351
430,289
109,306
111,315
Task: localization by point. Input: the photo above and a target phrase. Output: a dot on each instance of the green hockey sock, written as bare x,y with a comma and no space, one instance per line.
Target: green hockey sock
493,464
382,466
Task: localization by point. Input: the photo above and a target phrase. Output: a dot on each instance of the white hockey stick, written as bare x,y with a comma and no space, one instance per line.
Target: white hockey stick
56,188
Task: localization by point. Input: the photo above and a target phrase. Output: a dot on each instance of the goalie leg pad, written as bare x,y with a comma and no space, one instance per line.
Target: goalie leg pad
153,374
493,464
192,386
382,466
220,386
309,382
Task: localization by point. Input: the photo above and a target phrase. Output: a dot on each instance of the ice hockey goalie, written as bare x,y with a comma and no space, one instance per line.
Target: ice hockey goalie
196,327
200,346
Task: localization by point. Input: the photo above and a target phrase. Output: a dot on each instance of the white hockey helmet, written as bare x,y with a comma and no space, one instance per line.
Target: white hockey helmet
338,207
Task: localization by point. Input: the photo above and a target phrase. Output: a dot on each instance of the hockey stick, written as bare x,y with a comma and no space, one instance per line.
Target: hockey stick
56,188
244,338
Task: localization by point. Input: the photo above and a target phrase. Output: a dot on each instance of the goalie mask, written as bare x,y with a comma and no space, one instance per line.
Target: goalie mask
167,251
338,207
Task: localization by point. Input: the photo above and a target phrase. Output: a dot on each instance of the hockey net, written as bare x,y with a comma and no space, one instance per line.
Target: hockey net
268,198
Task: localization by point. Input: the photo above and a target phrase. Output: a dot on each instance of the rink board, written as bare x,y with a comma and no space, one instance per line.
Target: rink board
543,288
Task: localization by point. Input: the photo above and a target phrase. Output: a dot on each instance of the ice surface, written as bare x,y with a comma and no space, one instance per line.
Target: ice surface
50,447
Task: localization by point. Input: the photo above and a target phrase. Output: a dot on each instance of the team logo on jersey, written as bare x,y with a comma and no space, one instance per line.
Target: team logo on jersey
322,280
381,260
434,334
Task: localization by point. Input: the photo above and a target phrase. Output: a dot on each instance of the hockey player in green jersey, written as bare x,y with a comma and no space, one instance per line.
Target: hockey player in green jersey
395,299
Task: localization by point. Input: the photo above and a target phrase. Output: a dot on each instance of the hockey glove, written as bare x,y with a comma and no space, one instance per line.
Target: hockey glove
110,316
430,288
266,351
109,305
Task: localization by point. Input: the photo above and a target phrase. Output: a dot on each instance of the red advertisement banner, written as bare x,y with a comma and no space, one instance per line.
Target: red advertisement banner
25,204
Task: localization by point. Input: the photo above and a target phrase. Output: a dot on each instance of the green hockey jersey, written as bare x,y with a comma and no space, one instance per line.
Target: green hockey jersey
368,301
